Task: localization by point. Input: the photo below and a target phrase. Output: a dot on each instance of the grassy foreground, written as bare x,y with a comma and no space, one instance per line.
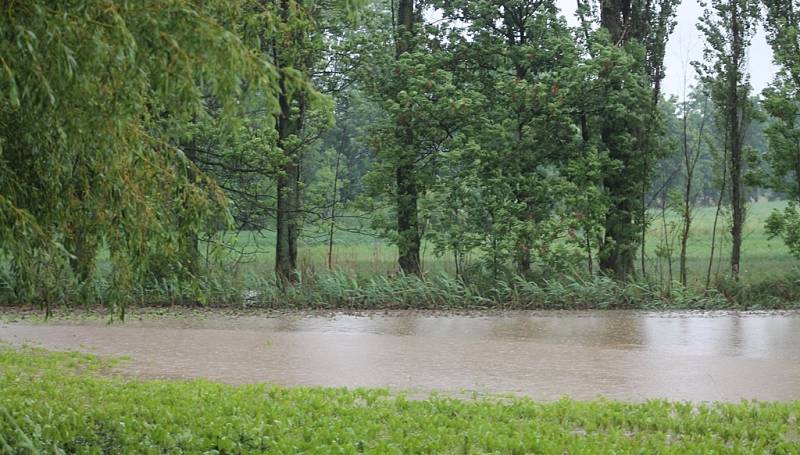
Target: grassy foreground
59,403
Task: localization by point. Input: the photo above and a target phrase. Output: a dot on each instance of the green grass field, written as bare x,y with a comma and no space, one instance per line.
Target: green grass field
65,403
367,255
762,258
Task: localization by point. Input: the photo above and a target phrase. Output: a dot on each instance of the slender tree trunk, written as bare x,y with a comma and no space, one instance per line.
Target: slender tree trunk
334,201
83,247
80,239
687,196
716,214
667,242
407,220
407,191
189,241
296,212
524,240
523,256
585,139
690,161
589,261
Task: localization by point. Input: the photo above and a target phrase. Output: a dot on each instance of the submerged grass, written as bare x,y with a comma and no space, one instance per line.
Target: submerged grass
342,291
57,403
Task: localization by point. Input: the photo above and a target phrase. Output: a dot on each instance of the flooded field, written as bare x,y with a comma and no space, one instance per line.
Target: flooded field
618,355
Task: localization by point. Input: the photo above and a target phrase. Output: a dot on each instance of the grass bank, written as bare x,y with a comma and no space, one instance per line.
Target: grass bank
442,292
341,291
60,403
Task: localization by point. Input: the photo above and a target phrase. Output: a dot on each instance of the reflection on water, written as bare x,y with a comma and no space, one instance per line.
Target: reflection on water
622,355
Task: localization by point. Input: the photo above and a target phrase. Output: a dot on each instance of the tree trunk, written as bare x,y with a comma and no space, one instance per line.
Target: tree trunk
81,239
734,106
288,183
619,245
407,220
630,21
523,256
334,200
716,214
188,242
524,240
688,162
83,247
287,188
407,191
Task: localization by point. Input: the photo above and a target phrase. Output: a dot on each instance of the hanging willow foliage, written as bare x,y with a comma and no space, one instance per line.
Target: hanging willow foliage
93,96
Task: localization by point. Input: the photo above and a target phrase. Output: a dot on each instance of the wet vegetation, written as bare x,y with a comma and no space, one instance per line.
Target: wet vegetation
68,403
370,154
362,278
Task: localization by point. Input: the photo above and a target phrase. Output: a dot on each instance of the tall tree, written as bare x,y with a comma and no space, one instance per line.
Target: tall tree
411,77
729,26
297,48
641,28
408,229
290,52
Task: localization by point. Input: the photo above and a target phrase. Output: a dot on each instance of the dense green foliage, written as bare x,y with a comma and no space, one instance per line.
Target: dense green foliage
58,403
94,98
782,101
150,149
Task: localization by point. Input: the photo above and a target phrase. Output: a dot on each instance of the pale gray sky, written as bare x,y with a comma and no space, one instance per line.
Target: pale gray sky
686,44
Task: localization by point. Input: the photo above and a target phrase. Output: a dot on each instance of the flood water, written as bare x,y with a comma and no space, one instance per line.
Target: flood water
618,355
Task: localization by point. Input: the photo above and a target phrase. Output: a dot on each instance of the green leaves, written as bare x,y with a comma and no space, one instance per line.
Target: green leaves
57,403
786,225
95,101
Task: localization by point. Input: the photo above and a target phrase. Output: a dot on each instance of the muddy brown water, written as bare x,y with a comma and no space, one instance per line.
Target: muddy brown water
619,355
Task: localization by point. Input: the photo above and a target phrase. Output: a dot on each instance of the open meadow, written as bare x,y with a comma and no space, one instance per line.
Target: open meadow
367,255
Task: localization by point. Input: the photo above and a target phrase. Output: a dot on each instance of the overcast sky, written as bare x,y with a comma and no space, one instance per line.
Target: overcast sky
686,45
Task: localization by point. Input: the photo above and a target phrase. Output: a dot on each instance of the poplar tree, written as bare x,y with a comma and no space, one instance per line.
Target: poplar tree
729,26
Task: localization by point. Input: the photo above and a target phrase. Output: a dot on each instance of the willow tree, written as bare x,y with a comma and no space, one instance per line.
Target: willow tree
92,96
729,26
